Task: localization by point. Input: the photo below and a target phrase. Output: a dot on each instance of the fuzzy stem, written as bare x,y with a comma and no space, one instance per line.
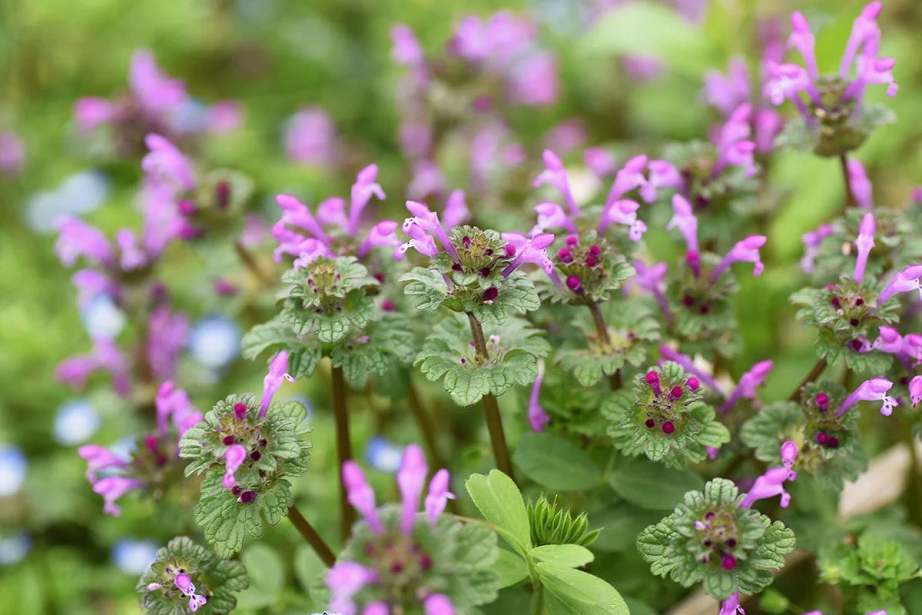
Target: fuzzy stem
343,449
849,194
426,426
614,380
309,534
250,261
491,407
813,375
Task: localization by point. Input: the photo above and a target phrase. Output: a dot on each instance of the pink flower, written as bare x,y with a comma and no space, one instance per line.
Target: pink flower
651,280
438,496
628,178
345,579
812,241
556,175
273,380
456,211
155,91
552,215
905,281
92,112
165,164
411,478
406,48
310,138
600,161
865,33
363,189
745,251
361,495
748,383
12,153
684,219
234,457
537,417
531,249
428,179
438,604
662,174
105,356
727,92
224,116
623,211
428,222
111,488
864,243
874,389
77,238
772,482
533,82
731,606
861,187
100,459
167,336
915,390
802,39
185,585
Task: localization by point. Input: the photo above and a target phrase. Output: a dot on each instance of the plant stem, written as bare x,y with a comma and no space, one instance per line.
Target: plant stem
250,261
343,449
491,407
537,601
309,534
849,194
614,380
813,375
426,426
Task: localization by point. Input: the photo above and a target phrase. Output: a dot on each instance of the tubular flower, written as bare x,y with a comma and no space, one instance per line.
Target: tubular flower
812,241
874,389
727,92
684,219
860,185
529,250
748,384
651,280
915,390
361,495
733,144
688,365
537,417
745,251
427,222
864,243
905,281
772,482
273,380
556,175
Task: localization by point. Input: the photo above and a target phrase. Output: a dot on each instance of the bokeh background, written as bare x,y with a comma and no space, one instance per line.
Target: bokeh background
58,553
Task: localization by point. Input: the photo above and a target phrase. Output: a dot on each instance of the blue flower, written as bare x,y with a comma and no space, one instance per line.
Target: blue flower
79,194
12,469
75,422
102,318
15,549
383,455
214,341
134,556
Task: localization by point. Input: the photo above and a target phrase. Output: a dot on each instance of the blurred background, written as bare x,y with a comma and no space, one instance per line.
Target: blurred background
298,96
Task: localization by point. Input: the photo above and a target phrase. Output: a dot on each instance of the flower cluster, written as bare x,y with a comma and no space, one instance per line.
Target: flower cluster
399,559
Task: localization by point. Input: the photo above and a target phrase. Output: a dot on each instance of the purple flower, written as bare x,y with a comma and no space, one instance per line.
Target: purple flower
363,189
532,81
104,356
889,341
628,178
92,112
733,144
684,219
745,251
651,280
273,380
748,383
600,161
438,604
531,249
310,138
167,333
566,136
428,179
768,123
184,584
915,390
556,175
411,477
361,495
224,116
428,222
874,389
537,417
438,496
731,606
662,174
864,243
456,211
234,457
905,281
164,164
111,488
552,215
812,241
155,91
100,460
772,482
77,238
623,211
345,579
12,153
174,402
406,50
860,186
688,365
727,92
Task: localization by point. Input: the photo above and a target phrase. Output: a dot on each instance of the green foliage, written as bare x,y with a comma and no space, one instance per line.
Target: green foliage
217,580
512,357
653,486
676,548
550,526
555,463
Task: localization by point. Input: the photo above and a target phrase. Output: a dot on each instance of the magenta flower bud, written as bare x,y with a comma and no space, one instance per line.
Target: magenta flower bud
594,250
591,261
833,442
410,478
564,255
676,392
246,497
490,294
438,604
574,283
240,411
668,427
822,402
874,389
684,220
727,562
438,496
187,207
864,243
510,250
572,240
273,380
905,281
360,495
747,251
915,390
822,438
225,287
650,423
652,379
692,384
789,452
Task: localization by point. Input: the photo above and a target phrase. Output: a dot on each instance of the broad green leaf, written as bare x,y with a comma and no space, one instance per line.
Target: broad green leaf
653,486
308,566
580,591
500,502
267,572
511,568
572,556
555,463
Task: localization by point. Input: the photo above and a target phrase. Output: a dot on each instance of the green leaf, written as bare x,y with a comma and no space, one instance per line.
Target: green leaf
427,286
308,567
627,29
555,463
267,335
719,583
511,568
303,362
653,486
580,591
572,556
267,572
500,502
